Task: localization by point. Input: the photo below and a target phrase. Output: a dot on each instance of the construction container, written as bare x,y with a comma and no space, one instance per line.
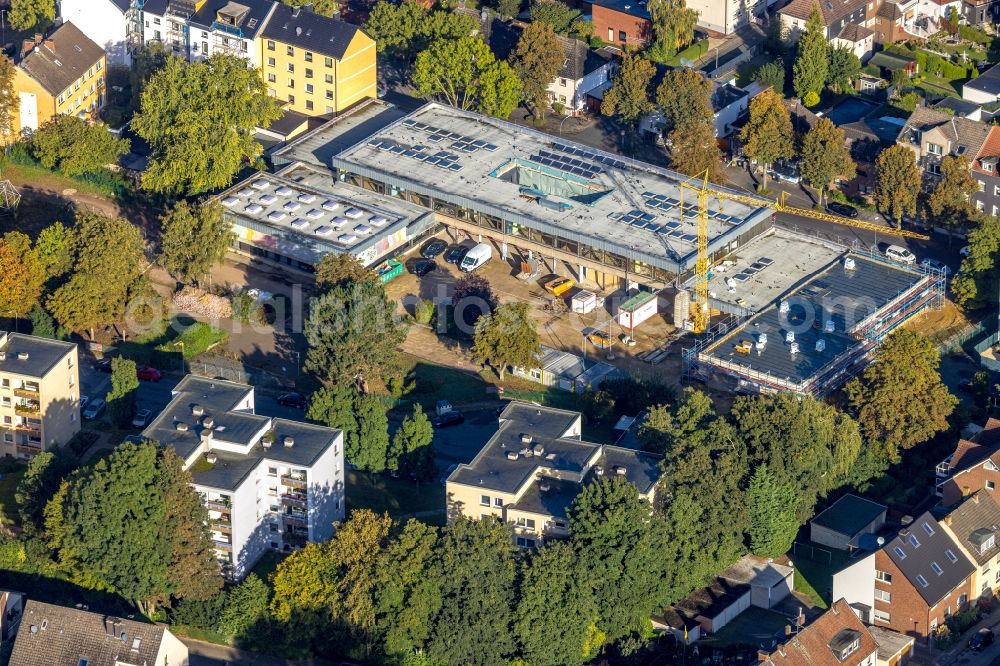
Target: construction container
388,270
636,310
584,302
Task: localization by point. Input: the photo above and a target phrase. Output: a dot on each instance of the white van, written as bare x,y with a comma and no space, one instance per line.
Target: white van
900,254
476,257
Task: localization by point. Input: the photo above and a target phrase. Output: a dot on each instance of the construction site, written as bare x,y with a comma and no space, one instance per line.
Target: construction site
735,299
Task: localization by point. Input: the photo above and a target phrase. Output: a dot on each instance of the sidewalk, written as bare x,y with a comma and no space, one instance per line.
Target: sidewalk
210,654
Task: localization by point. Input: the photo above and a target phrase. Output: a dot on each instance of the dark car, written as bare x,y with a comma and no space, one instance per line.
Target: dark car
421,267
447,419
433,248
149,374
104,365
837,208
981,639
295,400
456,254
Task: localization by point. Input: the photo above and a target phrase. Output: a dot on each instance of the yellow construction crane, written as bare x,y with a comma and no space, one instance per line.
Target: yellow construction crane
700,314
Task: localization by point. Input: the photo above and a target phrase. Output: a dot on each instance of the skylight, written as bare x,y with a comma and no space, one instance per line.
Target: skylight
936,569
923,581
900,553
913,541
928,529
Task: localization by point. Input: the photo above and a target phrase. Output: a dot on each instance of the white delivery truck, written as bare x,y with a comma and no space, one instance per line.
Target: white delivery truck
476,257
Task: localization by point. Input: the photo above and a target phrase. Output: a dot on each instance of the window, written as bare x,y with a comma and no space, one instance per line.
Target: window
996,190
309,89
611,35
309,56
204,49
913,541
990,485
526,522
882,595
329,94
850,649
880,616
8,437
622,36
328,78
982,185
309,105
484,500
270,62
884,577
498,502
271,78
962,599
936,568
899,553
987,543
156,20
934,149
309,73
951,556
988,166
928,529
272,471
524,542
290,50
562,82
328,62
329,109
923,581
291,83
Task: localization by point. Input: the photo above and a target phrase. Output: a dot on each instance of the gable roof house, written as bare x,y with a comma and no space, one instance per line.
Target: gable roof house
974,465
837,15
974,525
932,135
58,636
835,638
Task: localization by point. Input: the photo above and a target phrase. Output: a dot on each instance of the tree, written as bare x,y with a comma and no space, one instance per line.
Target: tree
975,285
776,36
685,96
950,202
353,332
536,60
768,135
412,449
473,297
897,182
54,251
773,523
193,239
507,337
9,100
107,525
108,258
694,150
673,24
33,15
41,480
772,73
618,544
336,270
121,397
564,19
22,275
323,7
464,73
372,448
201,141
556,610
334,407
844,67
147,61
476,573
509,8
408,28
43,325
628,97
899,399
825,156
246,607
812,62
75,146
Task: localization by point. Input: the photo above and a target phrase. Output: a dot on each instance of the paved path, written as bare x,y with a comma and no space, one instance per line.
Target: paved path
210,654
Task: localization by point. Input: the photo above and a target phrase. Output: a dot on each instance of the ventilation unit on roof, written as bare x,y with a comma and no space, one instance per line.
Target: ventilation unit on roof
790,336
211,458
828,326
206,435
197,410
525,438
620,470
599,471
849,264
539,450
544,486
794,348
181,426
512,455
22,356
266,443
208,422
3,356
820,345
783,306
289,441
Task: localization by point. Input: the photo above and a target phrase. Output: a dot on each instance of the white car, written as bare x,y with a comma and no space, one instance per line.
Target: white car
141,418
900,254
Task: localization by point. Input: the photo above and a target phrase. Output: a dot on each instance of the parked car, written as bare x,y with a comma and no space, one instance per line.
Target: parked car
559,286
94,409
476,257
456,254
786,173
447,419
421,267
837,208
433,248
104,365
84,399
981,639
294,400
900,254
935,265
141,418
149,374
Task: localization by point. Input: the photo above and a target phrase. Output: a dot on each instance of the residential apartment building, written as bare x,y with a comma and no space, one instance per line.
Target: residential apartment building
52,635
533,467
728,16
973,525
109,23
835,638
314,64
197,29
267,483
39,394
62,73
974,465
913,583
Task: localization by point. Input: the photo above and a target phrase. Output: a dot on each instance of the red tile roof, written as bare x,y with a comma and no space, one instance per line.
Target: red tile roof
991,148
815,644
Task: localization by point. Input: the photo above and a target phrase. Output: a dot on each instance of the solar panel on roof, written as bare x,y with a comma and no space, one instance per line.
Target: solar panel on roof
675,234
689,238
767,261
409,153
455,167
652,226
397,150
757,266
741,277
409,122
635,212
490,147
434,138
375,142
420,126
478,143
458,145
420,157
672,225
648,217
649,195
433,159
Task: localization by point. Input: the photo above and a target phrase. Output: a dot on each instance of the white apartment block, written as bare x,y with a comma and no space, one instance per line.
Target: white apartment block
109,23
268,483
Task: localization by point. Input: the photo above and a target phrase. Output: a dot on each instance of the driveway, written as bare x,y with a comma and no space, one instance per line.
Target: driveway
460,444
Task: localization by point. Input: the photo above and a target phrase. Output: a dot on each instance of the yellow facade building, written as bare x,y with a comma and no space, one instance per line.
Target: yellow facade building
316,65
60,74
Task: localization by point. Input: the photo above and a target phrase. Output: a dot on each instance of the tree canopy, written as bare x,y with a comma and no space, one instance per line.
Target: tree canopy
193,239
408,28
768,136
201,141
694,150
825,156
975,285
536,60
673,24
628,98
336,270
684,96
10,102
75,146
464,73
897,182
22,275
950,202
324,7
507,337
36,15
809,72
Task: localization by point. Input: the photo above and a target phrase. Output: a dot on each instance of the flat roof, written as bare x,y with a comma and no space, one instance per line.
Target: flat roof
547,183
845,297
849,515
42,354
304,213
763,270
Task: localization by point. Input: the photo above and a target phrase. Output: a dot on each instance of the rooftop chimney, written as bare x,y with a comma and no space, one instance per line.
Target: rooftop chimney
22,356
50,45
289,441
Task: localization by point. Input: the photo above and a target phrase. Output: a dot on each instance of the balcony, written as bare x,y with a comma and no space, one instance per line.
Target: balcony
28,427
295,539
219,505
294,481
28,409
299,519
291,499
943,468
220,526
26,449
223,545
27,393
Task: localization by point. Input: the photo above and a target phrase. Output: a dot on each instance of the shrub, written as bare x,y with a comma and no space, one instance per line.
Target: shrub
558,108
423,312
811,99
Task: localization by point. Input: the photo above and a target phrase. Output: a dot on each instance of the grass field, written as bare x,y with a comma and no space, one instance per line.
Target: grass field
814,577
196,339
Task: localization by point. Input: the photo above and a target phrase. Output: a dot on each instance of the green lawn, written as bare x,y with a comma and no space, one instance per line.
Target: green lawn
428,382
814,578
196,339
939,86
397,497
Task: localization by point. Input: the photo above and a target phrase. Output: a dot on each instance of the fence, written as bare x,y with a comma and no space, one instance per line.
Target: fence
955,341
223,368
988,361
814,553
